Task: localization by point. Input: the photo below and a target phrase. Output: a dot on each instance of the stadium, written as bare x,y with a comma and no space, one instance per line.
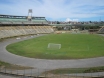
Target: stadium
40,47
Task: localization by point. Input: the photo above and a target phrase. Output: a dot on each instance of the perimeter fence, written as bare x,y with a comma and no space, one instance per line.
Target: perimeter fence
39,73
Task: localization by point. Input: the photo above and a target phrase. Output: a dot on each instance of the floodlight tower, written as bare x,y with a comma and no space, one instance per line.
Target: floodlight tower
29,15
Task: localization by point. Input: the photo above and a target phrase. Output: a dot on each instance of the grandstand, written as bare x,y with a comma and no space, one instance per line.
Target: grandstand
10,31
11,25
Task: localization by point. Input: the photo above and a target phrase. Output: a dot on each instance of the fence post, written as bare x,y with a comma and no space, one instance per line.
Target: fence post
45,73
0,69
84,75
76,75
38,73
68,76
11,70
60,75
91,74
5,70
98,74
24,72
102,73
31,72
17,71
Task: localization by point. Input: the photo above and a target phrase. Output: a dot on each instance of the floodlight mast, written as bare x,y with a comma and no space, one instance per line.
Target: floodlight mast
29,15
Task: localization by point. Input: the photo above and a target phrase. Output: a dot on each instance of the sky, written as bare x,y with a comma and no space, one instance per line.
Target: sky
56,10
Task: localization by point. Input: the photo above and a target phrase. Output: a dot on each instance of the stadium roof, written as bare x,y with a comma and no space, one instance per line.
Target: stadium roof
10,16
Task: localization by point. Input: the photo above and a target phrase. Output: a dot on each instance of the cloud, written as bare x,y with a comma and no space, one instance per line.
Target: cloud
68,19
74,20
54,9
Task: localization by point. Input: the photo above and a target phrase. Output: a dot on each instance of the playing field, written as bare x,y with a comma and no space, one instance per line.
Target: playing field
73,46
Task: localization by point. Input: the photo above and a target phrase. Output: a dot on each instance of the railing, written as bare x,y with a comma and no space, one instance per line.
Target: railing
43,73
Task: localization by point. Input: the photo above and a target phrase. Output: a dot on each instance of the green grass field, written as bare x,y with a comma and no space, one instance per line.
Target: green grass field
73,46
77,70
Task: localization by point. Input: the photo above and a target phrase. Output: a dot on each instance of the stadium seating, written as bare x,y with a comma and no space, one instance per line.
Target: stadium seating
12,20
10,31
40,21
11,25
23,20
101,30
